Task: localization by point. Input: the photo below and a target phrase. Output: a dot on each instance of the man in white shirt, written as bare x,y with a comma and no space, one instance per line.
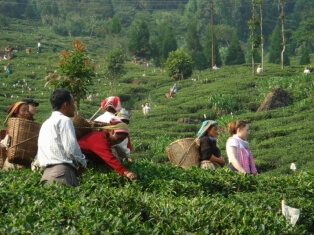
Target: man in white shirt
58,150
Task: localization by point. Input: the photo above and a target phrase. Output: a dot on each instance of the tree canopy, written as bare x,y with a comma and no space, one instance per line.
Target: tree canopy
75,72
179,65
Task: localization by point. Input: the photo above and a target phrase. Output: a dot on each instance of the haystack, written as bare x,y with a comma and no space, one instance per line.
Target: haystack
277,98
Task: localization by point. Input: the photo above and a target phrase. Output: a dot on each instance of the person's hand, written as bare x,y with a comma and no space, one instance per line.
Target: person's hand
80,171
222,161
129,159
130,175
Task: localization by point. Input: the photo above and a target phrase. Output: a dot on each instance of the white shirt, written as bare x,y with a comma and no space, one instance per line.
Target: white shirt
57,142
236,142
106,117
307,71
146,109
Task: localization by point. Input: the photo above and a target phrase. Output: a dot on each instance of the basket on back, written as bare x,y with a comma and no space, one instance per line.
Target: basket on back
83,127
24,136
183,153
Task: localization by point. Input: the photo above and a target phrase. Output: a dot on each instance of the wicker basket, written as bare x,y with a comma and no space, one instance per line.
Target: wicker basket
183,153
24,136
82,126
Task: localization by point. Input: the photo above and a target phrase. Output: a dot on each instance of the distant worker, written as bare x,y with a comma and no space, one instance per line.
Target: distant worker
146,109
306,70
215,67
8,68
259,69
173,90
38,47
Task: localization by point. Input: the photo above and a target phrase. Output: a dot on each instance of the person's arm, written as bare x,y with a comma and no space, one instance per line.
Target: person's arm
219,160
232,155
206,151
70,144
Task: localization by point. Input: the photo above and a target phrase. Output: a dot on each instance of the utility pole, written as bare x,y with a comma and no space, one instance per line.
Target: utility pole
212,31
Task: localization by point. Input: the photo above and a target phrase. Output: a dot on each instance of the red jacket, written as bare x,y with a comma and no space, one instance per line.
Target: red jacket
97,143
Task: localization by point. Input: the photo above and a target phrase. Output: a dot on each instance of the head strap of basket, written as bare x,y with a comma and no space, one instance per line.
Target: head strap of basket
113,102
14,109
117,126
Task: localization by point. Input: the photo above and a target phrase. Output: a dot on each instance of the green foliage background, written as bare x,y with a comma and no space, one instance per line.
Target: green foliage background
164,199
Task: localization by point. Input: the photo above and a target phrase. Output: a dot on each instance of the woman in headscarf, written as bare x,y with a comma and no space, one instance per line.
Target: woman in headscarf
210,156
17,110
97,145
111,105
237,147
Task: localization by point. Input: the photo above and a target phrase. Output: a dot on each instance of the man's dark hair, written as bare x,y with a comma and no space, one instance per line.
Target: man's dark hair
58,97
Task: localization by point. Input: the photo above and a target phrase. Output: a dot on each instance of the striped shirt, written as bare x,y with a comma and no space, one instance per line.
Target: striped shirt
57,142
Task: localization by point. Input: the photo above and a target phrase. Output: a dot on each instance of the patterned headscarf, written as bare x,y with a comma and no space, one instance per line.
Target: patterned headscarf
112,101
13,110
205,125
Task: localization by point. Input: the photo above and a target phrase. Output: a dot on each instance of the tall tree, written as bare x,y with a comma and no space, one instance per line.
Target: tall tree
282,17
208,49
115,26
169,43
253,24
54,9
305,55
193,41
235,53
31,11
260,2
276,48
115,67
139,39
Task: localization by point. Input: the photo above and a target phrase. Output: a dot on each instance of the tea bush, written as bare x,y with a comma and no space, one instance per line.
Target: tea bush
164,200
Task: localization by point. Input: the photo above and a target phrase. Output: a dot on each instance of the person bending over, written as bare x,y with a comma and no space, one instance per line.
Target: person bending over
97,145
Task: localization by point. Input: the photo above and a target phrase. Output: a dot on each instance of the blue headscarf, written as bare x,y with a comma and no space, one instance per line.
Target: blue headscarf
205,125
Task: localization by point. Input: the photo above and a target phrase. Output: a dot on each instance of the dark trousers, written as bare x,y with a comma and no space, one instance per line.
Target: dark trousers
60,173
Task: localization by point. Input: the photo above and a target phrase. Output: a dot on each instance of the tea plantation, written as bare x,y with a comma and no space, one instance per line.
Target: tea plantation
166,199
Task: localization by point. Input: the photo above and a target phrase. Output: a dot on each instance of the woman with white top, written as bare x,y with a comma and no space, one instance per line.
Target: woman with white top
237,147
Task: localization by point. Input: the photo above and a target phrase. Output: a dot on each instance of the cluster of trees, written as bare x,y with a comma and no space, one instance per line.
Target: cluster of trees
244,31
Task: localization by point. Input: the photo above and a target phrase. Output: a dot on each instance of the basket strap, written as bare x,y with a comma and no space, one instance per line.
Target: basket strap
23,141
184,155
